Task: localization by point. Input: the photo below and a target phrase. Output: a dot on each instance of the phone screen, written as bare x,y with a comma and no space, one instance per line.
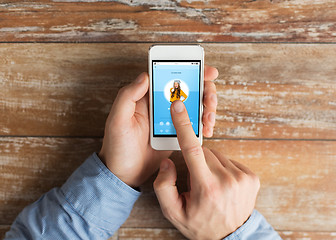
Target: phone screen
175,80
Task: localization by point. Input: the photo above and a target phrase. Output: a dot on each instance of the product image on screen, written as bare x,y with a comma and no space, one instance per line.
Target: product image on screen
175,80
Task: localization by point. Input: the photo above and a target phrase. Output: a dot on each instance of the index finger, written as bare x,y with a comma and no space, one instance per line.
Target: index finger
189,144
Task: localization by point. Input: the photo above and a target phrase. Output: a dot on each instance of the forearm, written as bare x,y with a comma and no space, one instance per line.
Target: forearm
256,227
92,204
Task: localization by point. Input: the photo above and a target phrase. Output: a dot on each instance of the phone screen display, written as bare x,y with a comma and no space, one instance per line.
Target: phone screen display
175,80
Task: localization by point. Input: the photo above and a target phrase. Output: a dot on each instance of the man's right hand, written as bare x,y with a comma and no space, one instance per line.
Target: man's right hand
222,192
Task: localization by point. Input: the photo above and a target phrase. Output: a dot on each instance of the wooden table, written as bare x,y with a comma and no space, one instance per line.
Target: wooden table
62,63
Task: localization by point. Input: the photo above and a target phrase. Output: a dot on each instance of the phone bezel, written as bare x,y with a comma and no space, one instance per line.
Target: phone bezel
177,53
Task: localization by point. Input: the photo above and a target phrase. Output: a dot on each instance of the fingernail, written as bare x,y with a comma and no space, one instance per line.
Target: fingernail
140,78
164,166
212,118
178,106
214,98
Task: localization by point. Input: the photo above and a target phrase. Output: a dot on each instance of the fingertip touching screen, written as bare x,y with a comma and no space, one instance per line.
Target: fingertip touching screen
175,80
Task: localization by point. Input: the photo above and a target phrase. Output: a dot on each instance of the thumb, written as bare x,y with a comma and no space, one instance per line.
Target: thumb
124,105
166,191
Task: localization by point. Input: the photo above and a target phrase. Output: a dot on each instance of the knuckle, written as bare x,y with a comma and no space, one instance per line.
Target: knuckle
232,183
241,176
255,180
122,90
210,85
210,191
214,86
183,122
158,185
194,150
125,90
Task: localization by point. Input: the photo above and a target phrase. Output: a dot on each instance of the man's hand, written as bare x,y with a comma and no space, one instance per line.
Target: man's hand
222,192
126,150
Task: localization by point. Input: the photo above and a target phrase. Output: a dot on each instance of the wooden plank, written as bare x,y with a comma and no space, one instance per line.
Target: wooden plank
115,236
275,91
170,233
159,233
32,166
149,234
53,90
168,21
297,183
264,91
297,178
5,228
288,235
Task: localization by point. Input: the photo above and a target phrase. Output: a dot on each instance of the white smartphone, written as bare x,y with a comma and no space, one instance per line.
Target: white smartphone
176,72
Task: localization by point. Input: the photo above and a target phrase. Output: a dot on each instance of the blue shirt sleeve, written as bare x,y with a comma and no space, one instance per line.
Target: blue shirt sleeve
92,204
256,227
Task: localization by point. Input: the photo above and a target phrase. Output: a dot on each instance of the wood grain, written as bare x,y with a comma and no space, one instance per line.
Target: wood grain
278,99
3,230
289,235
168,21
152,234
115,236
297,178
167,233
32,166
281,91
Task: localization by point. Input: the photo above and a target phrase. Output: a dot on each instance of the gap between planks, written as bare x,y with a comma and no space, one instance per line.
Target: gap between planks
292,197
195,21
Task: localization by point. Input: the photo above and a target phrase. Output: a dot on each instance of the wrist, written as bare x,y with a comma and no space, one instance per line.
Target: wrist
250,222
126,180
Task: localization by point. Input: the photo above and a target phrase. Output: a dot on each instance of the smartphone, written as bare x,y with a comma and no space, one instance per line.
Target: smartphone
176,72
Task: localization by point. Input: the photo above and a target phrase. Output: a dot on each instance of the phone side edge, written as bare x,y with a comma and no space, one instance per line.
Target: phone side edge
201,108
150,97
